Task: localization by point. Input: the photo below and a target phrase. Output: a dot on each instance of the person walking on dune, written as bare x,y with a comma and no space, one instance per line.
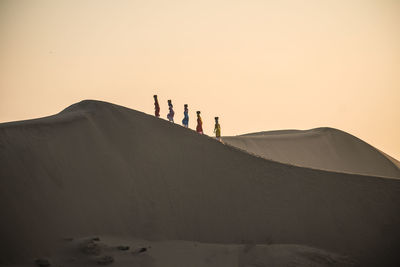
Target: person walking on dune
217,130
185,121
156,107
199,127
171,113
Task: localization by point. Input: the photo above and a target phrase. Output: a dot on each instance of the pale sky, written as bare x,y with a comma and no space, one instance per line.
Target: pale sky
257,64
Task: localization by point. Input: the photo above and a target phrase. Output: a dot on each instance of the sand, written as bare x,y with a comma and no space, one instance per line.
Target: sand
320,148
98,169
107,250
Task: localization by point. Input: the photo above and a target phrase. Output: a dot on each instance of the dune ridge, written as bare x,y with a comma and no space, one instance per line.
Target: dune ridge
320,148
99,168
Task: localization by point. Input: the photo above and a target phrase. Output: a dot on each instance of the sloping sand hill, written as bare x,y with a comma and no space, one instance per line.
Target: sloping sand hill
102,169
320,148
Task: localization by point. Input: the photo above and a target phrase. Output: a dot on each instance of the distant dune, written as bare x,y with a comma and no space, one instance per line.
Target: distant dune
101,169
320,148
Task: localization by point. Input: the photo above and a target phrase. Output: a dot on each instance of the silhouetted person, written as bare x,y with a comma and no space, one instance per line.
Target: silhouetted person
217,129
171,113
156,106
185,121
199,127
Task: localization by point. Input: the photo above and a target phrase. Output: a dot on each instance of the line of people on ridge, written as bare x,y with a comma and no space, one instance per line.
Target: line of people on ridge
185,121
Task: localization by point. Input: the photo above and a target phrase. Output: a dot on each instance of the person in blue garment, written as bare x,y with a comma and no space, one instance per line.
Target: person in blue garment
185,121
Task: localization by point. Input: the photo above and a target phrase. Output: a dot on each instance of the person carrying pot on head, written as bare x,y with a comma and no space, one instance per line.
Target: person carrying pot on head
185,121
199,127
171,113
217,129
156,107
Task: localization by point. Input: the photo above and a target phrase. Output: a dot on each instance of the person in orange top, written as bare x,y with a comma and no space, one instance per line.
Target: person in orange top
156,106
199,127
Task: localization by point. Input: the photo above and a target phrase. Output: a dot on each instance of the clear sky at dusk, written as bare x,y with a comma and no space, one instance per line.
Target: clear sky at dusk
258,65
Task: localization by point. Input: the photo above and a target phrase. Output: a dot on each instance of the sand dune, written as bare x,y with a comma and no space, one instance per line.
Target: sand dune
102,169
320,148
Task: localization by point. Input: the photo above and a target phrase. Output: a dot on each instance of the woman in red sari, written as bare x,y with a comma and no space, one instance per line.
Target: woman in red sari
199,127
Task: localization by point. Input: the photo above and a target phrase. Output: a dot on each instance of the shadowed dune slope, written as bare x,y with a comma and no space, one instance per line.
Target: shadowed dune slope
320,148
99,168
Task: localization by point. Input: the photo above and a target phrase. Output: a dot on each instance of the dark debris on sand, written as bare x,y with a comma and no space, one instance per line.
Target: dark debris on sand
123,247
140,250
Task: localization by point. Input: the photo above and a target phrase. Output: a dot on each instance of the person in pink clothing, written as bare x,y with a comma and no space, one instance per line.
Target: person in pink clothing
171,113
